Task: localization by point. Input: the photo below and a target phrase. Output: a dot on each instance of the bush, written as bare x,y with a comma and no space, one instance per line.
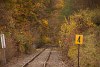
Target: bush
24,40
81,22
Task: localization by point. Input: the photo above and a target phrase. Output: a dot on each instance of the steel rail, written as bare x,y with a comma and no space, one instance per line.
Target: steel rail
33,58
46,62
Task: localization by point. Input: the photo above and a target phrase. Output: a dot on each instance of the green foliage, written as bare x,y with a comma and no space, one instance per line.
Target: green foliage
24,41
96,16
67,9
21,38
83,4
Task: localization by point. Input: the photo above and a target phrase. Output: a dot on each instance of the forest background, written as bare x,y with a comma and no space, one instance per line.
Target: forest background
34,23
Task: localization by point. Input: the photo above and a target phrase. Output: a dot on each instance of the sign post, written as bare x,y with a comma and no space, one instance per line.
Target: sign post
78,55
79,41
3,47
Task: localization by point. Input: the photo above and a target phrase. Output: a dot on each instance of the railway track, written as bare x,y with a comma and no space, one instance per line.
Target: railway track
40,60
45,64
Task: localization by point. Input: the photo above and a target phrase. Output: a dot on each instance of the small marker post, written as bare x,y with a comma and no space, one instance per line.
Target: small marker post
3,48
78,55
4,56
78,42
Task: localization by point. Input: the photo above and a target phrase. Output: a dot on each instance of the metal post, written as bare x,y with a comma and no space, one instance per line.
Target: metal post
78,55
4,56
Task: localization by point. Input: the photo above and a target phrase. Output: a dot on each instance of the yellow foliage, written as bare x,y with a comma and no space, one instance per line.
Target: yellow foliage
59,4
60,43
63,27
45,39
72,53
68,28
71,27
21,48
37,4
83,21
45,22
83,16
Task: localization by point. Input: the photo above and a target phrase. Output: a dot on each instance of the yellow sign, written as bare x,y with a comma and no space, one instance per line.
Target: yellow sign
79,39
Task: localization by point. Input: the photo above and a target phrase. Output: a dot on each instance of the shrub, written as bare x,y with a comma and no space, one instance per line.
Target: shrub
81,22
24,40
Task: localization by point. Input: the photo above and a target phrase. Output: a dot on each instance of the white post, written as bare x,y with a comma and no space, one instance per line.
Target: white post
3,47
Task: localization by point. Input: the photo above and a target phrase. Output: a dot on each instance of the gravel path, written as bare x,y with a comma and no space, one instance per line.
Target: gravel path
54,60
19,62
40,60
